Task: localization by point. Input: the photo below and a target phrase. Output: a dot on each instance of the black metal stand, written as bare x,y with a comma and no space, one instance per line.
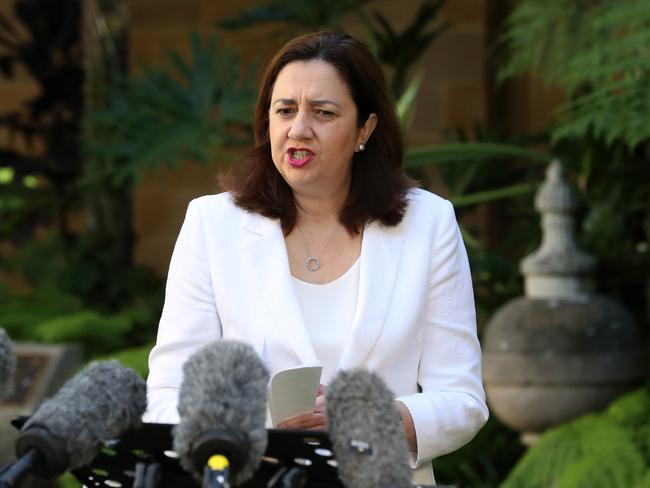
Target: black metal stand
147,475
143,458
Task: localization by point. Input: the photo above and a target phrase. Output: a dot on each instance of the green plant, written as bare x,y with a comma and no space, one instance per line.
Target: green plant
397,50
586,49
53,310
300,15
400,50
67,480
489,170
43,186
38,185
596,52
484,462
96,332
21,312
598,450
133,357
186,112
163,118
50,316
160,118
632,412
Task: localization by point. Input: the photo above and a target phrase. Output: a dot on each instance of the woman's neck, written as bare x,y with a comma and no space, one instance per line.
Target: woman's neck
318,209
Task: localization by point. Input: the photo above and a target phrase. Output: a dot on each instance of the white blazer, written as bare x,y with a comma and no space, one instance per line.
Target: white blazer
414,324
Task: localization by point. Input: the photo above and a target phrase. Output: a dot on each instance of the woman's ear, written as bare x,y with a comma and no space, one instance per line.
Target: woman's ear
366,129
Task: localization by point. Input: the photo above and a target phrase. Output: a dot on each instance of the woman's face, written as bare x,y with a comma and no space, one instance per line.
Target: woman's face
313,129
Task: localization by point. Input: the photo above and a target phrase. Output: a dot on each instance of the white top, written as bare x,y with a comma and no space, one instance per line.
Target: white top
328,312
414,323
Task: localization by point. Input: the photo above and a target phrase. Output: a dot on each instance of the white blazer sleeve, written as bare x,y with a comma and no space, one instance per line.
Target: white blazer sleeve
451,408
188,321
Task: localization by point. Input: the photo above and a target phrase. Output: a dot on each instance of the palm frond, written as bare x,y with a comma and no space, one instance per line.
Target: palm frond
492,195
400,49
477,151
406,101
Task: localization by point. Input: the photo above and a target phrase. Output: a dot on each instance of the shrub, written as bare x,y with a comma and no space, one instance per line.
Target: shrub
608,450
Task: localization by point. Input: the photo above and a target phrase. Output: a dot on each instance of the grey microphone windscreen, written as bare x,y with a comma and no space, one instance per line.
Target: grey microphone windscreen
365,431
224,389
7,365
102,401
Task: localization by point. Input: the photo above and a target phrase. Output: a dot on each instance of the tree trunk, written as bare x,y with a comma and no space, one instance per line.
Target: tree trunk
109,204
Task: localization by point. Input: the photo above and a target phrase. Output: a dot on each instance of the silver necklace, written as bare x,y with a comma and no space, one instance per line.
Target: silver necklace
312,263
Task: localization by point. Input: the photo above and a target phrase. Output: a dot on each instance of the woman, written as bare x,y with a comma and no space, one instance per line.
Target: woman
323,251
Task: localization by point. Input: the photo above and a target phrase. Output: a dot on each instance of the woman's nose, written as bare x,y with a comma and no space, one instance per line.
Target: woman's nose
300,127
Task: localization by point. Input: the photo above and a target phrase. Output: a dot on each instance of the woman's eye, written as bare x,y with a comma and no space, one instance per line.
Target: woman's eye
325,113
284,112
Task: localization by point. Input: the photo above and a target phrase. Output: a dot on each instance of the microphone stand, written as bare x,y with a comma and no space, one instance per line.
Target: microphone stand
216,478
218,453
147,475
293,477
12,475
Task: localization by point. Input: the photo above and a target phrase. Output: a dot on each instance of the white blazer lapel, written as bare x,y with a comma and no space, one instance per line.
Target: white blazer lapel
380,255
273,290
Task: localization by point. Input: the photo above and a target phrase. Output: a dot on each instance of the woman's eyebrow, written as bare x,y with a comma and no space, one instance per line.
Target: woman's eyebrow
319,103
313,103
284,101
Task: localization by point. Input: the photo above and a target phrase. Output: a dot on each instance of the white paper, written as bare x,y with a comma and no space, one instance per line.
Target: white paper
292,392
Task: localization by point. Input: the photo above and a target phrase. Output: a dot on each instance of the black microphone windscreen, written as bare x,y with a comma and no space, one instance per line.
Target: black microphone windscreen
364,427
99,403
224,389
7,365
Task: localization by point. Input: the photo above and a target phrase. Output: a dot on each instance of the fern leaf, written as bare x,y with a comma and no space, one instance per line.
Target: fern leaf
592,451
597,52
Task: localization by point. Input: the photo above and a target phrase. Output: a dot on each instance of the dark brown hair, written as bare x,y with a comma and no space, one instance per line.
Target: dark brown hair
379,185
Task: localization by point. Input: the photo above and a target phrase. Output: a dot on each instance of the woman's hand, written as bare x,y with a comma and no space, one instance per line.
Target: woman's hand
407,426
316,420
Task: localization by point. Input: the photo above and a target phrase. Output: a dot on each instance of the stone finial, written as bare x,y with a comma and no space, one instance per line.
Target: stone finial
555,195
557,269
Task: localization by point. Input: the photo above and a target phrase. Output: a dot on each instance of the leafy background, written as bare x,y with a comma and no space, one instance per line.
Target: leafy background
73,285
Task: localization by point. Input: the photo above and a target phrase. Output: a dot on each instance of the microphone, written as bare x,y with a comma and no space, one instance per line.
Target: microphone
67,431
222,436
7,365
364,427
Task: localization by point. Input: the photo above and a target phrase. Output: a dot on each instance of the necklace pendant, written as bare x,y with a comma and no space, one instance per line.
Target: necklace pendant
312,263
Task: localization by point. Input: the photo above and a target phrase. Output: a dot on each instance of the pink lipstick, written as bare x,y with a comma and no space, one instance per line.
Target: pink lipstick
299,156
